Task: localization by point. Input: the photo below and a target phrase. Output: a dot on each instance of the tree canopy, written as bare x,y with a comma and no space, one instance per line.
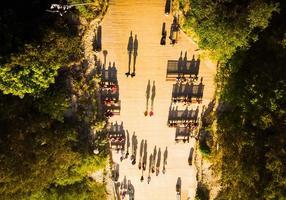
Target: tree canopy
32,70
248,37
228,25
46,150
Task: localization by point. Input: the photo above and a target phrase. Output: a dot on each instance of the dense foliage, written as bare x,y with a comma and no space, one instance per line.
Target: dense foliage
47,108
33,47
32,70
251,133
226,26
42,157
248,38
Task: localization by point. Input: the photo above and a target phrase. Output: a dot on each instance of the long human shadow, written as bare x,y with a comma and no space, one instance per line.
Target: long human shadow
129,49
164,34
165,156
158,162
141,153
153,95
145,156
135,54
141,147
195,67
127,144
190,158
154,159
184,66
150,168
150,163
180,65
198,62
105,52
147,97
168,7
134,148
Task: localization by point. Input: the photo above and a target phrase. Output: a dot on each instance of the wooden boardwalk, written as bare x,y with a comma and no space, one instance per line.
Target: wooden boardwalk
145,18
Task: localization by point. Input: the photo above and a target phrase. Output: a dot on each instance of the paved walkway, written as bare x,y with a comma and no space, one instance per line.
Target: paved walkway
145,18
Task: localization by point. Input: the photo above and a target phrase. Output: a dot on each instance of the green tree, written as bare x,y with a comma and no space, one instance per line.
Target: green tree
225,26
251,128
33,70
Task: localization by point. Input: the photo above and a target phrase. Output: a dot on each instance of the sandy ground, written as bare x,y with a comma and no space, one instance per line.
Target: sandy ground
145,18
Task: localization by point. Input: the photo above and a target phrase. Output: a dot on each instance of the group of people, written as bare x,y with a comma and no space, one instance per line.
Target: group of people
154,158
126,188
175,27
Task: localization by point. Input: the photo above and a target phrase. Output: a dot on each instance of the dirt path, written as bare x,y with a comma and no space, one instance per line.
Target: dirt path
145,18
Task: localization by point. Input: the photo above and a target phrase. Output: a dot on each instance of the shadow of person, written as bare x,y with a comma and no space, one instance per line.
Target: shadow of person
129,50
190,158
180,65
194,67
141,148
135,143
153,97
133,148
141,153
114,73
178,184
127,144
158,162
150,163
168,7
164,34
154,159
200,91
165,156
147,97
184,66
198,62
109,72
135,53
145,156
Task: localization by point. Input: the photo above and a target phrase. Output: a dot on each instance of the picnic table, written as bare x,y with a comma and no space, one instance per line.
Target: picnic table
109,94
182,133
108,76
113,107
182,117
116,135
187,92
182,68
